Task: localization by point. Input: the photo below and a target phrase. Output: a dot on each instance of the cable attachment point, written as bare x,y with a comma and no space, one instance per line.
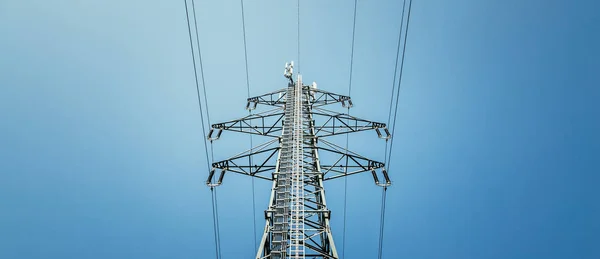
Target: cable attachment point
343,100
378,126
387,133
219,132
211,175
252,103
385,176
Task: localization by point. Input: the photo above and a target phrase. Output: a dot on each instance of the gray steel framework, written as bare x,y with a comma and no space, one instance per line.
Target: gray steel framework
297,219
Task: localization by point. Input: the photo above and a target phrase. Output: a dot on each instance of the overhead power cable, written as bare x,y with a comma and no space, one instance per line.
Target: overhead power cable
395,69
250,112
245,47
389,157
399,84
347,137
200,61
298,63
352,48
382,222
197,85
215,211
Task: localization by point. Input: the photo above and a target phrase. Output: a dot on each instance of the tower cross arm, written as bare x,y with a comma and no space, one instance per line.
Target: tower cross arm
276,98
341,123
265,155
317,98
349,163
264,124
320,98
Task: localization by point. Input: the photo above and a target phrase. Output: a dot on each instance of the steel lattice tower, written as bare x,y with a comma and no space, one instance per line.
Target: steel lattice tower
297,219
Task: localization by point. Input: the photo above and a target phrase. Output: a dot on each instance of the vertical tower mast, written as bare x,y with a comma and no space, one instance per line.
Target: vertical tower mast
297,219
297,174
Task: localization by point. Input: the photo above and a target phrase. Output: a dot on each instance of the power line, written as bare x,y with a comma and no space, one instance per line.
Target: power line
200,61
214,190
215,211
384,191
197,84
347,137
382,222
396,64
399,83
245,47
298,64
352,50
253,208
214,216
345,201
250,112
395,73
213,200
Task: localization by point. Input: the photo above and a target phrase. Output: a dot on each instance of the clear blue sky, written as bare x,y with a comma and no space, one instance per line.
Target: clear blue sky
496,153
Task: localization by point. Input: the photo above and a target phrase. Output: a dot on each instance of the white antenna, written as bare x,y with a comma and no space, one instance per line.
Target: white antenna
289,70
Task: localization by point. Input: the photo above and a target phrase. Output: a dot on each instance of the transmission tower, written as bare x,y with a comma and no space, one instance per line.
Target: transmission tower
297,219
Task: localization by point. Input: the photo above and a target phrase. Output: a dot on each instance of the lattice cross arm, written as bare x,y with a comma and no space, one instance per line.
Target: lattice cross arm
263,124
332,123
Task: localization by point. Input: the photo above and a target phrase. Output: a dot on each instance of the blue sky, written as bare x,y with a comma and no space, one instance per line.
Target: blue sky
496,145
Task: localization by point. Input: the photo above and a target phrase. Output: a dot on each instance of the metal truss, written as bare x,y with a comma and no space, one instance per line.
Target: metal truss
318,98
270,123
348,162
345,124
265,124
297,221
